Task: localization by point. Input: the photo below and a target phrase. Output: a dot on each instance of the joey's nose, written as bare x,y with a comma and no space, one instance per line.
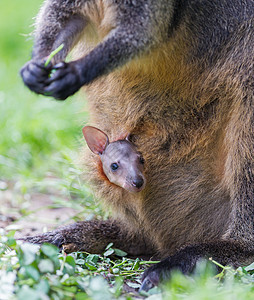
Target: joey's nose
138,182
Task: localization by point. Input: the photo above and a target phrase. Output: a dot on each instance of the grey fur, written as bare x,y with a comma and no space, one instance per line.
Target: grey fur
121,163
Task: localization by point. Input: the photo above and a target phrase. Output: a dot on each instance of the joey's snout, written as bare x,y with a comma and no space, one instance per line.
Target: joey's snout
138,182
123,178
135,184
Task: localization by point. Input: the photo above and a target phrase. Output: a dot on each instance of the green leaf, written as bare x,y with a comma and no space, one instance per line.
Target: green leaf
11,242
69,280
81,296
71,261
46,266
109,246
136,264
11,234
134,285
70,289
43,286
118,286
109,252
80,261
27,293
92,258
98,289
91,262
249,267
119,252
49,250
32,272
29,253
91,266
115,270
70,270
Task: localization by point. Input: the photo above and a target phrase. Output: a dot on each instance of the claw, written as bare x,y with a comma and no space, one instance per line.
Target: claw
60,65
146,285
150,280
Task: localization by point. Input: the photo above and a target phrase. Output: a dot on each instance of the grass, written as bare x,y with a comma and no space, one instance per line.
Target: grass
39,141
33,128
29,272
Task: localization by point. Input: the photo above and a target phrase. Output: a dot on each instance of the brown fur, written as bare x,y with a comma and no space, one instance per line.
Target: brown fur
186,180
188,103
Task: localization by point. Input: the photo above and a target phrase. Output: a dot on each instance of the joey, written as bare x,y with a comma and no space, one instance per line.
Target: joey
121,162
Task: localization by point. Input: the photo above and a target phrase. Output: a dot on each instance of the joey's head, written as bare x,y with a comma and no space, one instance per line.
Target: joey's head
121,162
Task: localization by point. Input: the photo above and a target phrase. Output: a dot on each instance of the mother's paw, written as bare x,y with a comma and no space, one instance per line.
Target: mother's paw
64,81
35,75
183,261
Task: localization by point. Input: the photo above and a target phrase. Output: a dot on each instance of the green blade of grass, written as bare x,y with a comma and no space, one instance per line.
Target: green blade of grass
52,54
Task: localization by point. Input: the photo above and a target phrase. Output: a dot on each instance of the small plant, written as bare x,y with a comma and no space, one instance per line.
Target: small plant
28,271
52,54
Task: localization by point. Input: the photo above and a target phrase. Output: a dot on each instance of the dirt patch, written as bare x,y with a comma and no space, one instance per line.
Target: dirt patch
38,214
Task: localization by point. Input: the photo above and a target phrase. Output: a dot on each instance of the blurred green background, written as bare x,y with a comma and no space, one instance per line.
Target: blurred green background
38,135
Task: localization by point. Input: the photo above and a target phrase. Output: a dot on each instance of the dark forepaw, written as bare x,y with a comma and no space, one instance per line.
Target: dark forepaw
35,75
64,81
182,261
59,81
151,278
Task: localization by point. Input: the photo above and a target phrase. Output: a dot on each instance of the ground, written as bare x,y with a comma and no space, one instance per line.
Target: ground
43,215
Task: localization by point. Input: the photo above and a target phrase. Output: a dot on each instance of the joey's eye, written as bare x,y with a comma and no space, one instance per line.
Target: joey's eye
114,166
141,160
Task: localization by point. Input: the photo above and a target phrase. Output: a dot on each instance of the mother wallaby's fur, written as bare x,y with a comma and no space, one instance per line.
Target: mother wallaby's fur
178,76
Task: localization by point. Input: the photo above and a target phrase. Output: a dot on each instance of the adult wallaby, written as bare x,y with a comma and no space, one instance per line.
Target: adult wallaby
178,76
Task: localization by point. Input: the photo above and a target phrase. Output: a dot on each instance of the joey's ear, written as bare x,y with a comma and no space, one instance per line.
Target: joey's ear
96,139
